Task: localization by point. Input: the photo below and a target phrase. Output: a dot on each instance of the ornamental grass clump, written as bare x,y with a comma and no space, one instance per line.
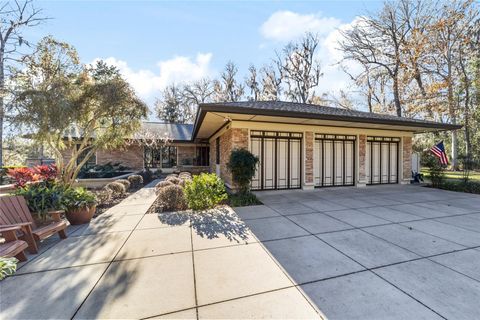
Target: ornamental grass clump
117,188
104,196
174,180
136,181
161,185
125,183
171,198
205,191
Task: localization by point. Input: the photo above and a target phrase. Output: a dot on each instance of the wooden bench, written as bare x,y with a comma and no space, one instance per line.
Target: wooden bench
14,212
12,247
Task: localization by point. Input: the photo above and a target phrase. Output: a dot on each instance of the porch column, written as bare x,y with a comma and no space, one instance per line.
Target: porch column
309,141
407,160
362,157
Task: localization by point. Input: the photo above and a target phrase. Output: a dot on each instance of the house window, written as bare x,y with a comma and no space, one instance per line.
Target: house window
162,157
217,150
90,162
202,156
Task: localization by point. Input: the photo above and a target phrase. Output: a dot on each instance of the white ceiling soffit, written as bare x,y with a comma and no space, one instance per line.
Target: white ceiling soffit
215,120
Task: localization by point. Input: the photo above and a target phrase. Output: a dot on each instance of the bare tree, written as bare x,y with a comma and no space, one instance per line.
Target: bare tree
252,83
270,83
197,92
377,42
228,88
14,18
299,69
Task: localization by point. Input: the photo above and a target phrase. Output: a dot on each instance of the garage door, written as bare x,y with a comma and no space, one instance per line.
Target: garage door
334,160
280,155
382,160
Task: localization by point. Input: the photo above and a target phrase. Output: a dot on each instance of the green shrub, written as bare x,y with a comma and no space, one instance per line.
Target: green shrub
171,198
242,165
461,186
136,181
42,197
205,191
243,200
76,198
125,183
117,188
8,266
436,170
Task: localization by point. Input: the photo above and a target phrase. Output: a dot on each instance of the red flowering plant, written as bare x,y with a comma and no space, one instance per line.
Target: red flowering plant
22,176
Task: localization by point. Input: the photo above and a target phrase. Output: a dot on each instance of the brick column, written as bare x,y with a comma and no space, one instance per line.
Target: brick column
407,159
362,157
309,141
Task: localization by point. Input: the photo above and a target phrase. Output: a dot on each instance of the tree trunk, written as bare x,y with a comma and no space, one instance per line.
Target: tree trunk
453,117
396,97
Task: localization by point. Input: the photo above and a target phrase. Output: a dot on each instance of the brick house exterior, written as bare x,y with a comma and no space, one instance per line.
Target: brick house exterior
299,145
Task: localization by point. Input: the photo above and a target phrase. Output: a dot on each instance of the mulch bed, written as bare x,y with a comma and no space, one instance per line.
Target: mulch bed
101,208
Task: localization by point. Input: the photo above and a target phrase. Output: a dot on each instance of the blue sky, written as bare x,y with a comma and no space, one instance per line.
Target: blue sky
158,42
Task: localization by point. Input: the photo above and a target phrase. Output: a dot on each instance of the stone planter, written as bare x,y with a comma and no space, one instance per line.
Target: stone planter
80,215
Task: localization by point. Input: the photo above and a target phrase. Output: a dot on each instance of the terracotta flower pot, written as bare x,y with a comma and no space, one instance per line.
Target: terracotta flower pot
80,215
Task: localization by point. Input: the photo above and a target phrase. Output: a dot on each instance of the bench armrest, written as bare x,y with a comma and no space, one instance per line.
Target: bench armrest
56,215
10,233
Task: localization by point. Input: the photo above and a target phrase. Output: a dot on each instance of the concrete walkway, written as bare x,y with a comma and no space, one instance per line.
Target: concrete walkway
127,264
380,252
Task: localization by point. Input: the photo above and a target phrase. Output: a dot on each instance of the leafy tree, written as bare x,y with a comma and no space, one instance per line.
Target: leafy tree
171,107
15,17
242,164
64,104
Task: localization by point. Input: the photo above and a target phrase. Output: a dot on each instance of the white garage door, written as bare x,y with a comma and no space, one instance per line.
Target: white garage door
382,160
280,163
334,160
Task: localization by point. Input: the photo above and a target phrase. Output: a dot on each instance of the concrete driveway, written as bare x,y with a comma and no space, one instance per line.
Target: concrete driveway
380,252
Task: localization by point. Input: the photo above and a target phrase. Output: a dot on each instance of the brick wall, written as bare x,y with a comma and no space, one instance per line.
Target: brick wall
309,140
234,138
407,158
362,156
130,156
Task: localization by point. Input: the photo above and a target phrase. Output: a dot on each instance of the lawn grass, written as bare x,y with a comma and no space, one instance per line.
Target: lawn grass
456,175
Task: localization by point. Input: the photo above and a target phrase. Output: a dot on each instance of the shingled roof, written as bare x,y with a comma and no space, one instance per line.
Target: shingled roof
305,110
175,131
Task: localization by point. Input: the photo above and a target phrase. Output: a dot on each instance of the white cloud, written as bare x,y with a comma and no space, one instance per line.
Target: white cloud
283,26
179,69
288,25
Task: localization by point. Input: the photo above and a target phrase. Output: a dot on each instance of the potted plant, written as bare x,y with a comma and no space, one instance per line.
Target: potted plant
80,205
42,198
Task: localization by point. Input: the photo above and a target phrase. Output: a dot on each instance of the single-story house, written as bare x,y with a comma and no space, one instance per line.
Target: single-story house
299,145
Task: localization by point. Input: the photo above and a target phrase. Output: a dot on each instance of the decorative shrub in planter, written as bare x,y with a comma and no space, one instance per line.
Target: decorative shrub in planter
205,191
80,204
161,185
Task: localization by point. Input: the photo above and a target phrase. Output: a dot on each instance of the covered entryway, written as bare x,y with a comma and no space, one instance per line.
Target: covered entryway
382,160
280,164
334,160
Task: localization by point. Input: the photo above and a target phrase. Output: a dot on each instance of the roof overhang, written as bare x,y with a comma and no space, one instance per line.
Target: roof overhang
211,118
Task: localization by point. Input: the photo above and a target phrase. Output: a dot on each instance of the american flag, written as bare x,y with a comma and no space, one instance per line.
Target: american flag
439,151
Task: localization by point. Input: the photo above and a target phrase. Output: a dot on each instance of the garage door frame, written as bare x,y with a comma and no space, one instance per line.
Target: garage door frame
278,136
383,140
344,139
